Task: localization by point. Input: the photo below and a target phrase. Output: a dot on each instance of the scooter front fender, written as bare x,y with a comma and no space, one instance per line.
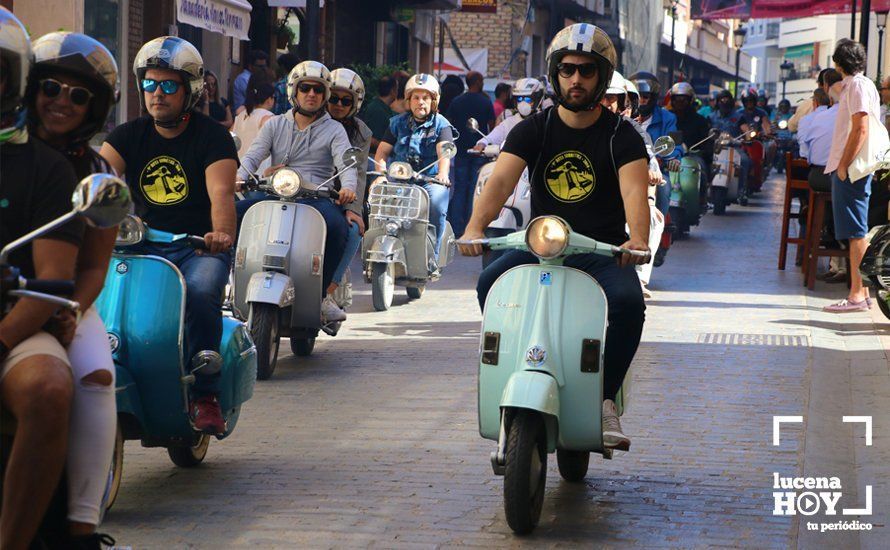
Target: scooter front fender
536,391
269,287
386,249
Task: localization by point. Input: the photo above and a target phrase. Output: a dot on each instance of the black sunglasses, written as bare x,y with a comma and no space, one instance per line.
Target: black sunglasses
77,94
317,88
567,70
345,101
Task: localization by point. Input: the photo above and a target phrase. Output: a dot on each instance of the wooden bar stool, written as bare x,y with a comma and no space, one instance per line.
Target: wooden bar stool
792,165
813,249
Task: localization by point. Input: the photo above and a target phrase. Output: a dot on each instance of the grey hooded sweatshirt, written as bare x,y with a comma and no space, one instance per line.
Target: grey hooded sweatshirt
314,151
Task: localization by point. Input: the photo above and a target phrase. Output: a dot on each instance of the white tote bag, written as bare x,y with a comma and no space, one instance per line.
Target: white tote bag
871,156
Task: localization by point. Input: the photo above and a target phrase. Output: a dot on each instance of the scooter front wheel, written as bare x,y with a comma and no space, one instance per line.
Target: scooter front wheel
116,472
302,347
525,474
264,332
719,200
382,285
189,457
572,464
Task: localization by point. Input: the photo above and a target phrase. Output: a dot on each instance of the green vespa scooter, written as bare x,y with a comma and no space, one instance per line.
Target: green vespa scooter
541,365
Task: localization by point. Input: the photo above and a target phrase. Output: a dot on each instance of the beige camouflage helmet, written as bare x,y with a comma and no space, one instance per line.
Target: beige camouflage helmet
308,70
175,54
583,39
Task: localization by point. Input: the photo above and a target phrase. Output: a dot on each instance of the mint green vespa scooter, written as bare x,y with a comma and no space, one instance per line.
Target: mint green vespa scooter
541,365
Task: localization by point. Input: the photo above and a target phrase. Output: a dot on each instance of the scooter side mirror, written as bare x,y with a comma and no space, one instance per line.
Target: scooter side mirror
236,139
350,156
104,200
664,146
449,150
473,124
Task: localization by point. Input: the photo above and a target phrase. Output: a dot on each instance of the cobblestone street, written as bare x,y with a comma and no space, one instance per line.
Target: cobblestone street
373,440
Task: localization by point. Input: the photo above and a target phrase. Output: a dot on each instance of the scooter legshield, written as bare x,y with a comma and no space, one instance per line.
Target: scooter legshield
546,319
143,308
690,177
238,374
286,237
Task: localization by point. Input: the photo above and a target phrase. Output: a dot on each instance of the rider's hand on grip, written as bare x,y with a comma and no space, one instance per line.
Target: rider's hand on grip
272,169
632,259
215,242
470,249
346,196
62,325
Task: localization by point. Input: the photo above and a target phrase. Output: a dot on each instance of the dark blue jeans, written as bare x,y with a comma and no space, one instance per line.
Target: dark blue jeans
205,276
466,170
623,294
438,209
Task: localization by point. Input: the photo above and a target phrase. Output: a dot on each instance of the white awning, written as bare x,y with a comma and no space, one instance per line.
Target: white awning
291,3
228,17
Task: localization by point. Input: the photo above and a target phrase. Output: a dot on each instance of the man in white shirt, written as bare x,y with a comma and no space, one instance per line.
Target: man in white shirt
814,135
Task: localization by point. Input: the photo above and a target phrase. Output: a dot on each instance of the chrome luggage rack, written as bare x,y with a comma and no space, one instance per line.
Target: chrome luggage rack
389,201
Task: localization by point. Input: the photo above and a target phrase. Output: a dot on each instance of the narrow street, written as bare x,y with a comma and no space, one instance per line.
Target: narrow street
373,440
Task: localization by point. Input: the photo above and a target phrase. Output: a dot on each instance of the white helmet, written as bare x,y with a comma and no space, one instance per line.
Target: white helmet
423,82
348,81
683,88
308,70
528,87
175,54
633,96
15,48
617,84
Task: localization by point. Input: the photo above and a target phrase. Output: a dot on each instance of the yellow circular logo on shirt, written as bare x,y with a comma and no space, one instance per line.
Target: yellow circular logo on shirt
163,181
570,177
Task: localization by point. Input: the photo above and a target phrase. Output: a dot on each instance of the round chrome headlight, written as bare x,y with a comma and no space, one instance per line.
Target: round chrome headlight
547,237
392,228
399,171
286,183
130,231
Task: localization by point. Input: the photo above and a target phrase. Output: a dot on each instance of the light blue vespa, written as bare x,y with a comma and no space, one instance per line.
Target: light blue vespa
541,365
143,307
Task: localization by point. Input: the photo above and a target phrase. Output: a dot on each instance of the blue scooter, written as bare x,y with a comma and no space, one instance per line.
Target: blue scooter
143,307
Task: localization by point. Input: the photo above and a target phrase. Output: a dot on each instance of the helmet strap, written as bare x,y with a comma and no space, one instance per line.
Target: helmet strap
184,117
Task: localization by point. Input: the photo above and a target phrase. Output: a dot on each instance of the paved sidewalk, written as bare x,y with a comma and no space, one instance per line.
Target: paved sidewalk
373,441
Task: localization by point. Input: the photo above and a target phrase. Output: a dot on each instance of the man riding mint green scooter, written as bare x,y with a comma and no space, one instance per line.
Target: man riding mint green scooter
590,167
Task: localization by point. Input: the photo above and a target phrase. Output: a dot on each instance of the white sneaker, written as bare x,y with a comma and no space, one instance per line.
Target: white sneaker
330,312
613,437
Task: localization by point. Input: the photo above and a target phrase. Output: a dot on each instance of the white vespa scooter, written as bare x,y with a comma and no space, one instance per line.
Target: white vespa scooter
516,212
725,185
279,262
399,246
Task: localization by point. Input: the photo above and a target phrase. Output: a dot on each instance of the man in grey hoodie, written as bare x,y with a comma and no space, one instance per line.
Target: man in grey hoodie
308,140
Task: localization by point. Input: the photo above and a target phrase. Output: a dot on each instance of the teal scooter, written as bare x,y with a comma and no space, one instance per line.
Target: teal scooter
541,365
143,307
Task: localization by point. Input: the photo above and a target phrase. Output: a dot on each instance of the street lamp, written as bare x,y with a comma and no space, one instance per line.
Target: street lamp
786,68
881,20
738,40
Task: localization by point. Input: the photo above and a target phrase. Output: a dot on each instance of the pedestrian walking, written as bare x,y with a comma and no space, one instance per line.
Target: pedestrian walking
257,60
501,99
258,104
211,104
285,64
377,112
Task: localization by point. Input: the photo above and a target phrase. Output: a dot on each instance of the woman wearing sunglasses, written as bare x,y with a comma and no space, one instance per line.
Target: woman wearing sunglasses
72,87
347,95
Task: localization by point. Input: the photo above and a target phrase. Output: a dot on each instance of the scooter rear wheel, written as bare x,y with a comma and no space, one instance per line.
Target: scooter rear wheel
302,347
572,464
382,285
415,292
264,332
883,300
117,470
189,457
525,474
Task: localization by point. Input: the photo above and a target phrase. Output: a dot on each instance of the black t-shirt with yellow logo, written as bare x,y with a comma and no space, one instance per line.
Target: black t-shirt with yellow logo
167,176
573,175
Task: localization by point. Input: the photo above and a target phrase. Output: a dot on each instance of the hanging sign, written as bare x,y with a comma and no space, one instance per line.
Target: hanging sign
479,6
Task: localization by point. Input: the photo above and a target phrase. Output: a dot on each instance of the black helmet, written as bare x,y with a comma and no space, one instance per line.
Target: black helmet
83,57
647,83
584,39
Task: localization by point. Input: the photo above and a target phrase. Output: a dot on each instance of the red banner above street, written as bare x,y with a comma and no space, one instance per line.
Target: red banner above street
764,9
479,6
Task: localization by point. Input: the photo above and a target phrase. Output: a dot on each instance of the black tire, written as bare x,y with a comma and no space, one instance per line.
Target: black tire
526,458
719,200
382,286
117,470
572,464
882,302
678,216
415,292
264,332
302,347
189,457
